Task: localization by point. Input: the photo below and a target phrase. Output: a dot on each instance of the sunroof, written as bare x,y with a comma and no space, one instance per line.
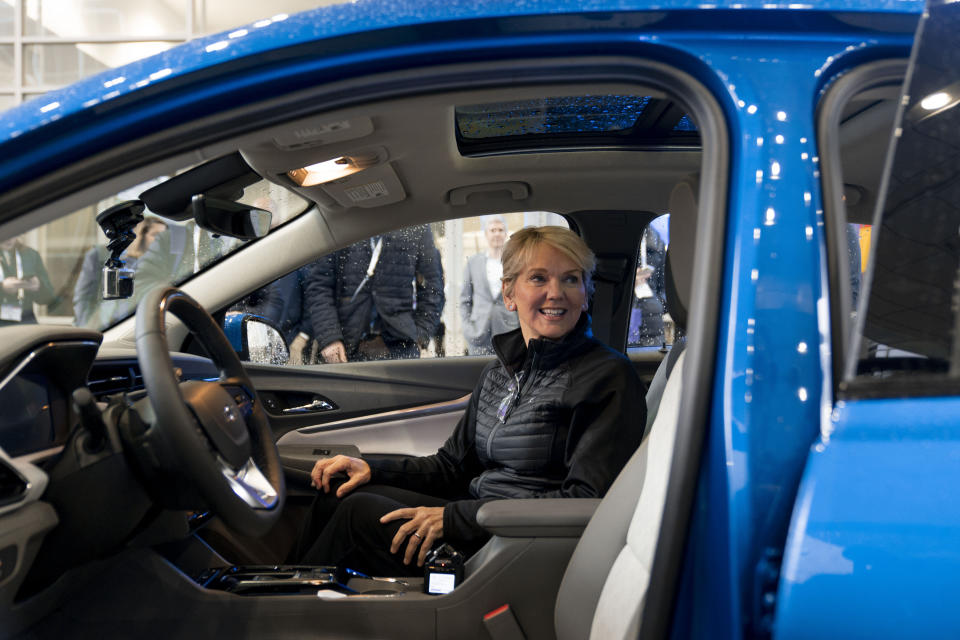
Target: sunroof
550,115
569,122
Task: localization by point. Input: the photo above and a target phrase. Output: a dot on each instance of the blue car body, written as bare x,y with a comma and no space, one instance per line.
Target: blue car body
813,517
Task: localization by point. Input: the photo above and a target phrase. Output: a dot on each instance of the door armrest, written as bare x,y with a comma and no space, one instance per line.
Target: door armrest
537,518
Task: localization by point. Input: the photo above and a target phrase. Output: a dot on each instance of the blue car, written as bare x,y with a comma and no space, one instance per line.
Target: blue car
771,191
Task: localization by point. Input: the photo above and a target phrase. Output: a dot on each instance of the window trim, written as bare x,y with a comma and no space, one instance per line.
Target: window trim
702,331
871,75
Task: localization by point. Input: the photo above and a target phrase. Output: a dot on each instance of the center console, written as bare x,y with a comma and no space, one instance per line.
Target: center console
323,581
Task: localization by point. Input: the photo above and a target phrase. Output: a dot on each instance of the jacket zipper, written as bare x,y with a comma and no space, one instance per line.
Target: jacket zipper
516,400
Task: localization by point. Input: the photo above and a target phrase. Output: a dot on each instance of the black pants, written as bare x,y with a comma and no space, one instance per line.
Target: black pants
347,532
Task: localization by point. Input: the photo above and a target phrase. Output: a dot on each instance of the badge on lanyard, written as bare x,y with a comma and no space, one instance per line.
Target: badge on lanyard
9,311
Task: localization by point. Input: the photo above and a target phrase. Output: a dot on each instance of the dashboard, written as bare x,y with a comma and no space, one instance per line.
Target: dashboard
41,366
63,503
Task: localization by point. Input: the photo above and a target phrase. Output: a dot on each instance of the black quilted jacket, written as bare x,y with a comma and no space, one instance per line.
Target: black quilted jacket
406,289
578,417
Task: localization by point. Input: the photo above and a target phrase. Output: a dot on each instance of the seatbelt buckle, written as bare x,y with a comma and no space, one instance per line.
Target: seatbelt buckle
501,624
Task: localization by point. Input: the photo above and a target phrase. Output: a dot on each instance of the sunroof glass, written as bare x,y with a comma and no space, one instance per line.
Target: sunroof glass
552,115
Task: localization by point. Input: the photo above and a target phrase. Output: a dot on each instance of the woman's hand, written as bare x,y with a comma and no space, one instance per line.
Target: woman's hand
424,527
357,470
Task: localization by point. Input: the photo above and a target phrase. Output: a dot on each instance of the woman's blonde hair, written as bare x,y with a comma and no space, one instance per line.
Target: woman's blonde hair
522,245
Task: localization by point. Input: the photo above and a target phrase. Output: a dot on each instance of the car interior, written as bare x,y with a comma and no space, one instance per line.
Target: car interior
115,517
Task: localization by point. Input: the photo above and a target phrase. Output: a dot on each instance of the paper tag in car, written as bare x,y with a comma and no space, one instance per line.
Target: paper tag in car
11,312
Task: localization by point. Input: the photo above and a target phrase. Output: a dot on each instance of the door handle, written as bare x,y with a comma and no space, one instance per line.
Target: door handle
316,406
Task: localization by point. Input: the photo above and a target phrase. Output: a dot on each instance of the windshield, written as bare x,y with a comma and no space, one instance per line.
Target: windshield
52,274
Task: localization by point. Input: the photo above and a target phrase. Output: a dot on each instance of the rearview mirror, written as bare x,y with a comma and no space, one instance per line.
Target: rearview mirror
228,218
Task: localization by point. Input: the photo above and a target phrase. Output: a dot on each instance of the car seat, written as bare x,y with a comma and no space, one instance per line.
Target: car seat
604,588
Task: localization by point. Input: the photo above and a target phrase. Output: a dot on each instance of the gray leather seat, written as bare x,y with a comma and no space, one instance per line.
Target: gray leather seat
604,588
659,382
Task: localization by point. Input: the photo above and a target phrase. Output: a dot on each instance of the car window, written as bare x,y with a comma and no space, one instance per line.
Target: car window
906,324
423,291
650,321
52,273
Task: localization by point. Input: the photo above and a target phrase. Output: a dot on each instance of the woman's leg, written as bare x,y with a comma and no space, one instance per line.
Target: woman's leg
353,535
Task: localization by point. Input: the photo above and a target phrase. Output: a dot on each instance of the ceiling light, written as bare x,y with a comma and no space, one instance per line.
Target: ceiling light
934,104
326,171
935,101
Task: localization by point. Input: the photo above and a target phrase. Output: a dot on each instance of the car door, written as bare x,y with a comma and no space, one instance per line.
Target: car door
872,546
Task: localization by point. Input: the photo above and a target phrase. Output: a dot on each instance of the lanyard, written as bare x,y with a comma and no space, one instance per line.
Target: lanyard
19,262
371,268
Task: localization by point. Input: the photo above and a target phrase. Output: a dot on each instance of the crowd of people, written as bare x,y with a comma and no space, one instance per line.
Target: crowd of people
377,299
383,298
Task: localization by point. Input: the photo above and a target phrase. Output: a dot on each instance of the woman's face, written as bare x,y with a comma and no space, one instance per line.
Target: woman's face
549,295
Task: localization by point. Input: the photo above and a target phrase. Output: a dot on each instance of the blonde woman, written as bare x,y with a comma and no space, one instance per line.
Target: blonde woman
557,415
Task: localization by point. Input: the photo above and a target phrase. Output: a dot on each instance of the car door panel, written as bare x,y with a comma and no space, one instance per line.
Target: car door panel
415,432
394,408
363,389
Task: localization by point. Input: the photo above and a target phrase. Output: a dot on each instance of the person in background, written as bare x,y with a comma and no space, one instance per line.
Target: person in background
853,253
556,415
178,252
647,308
87,294
481,298
25,283
377,299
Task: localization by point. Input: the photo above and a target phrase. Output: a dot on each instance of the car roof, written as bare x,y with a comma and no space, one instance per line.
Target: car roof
283,31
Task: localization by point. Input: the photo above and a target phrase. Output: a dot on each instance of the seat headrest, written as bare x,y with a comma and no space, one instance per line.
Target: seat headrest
675,305
681,251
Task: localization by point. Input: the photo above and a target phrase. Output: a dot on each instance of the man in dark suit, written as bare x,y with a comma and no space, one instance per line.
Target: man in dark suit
24,282
481,299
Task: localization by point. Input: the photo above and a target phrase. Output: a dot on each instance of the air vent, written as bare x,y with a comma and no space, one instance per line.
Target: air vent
107,378
12,485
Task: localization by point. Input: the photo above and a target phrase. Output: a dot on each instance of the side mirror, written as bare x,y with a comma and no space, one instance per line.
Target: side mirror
255,339
228,218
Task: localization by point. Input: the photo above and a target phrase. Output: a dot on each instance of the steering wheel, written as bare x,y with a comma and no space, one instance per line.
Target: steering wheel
216,430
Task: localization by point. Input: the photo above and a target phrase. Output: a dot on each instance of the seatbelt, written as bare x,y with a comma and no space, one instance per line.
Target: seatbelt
501,624
371,268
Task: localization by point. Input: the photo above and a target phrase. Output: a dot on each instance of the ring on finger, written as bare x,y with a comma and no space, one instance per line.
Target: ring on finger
418,535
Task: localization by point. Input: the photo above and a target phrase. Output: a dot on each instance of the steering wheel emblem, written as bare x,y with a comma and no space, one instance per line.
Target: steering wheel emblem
231,413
